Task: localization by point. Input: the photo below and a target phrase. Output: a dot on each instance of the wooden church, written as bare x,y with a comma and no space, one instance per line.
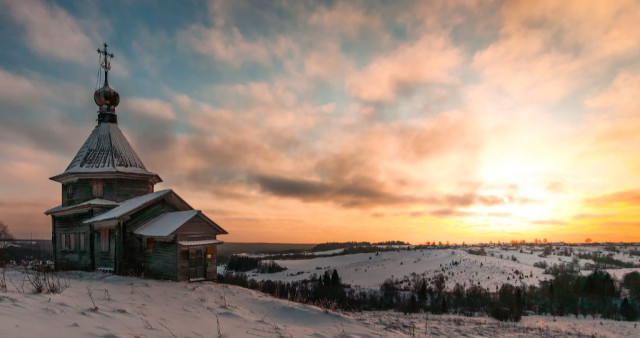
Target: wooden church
112,220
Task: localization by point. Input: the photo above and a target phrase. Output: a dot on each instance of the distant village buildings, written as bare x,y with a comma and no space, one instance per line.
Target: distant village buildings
111,218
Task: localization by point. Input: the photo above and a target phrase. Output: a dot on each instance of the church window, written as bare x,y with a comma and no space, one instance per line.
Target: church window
69,190
72,242
81,238
150,187
63,242
104,240
148,245
97,188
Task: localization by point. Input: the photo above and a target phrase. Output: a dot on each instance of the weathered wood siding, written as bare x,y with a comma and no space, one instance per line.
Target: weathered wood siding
104,259
113,189
125,189
132,261
183,261
81,191
212,270
161,262
196,229
76,258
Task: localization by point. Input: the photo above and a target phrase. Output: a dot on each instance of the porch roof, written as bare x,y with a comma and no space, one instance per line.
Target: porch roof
84,205
165,224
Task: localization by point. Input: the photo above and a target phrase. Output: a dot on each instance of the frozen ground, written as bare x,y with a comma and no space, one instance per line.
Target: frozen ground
130,307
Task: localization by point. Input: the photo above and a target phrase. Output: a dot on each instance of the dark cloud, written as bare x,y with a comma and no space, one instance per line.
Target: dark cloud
356,193
366,192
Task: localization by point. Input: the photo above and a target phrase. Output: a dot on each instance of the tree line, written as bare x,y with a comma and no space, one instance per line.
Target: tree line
567,294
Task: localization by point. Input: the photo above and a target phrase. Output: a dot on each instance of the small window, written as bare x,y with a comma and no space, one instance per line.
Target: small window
97,188
150,187
148,245
69,190
81,237
104,240
63,242
72,242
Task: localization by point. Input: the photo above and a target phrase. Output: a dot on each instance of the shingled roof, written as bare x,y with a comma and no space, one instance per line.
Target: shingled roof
106,151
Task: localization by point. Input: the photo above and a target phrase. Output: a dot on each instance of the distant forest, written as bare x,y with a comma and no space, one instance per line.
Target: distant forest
567,294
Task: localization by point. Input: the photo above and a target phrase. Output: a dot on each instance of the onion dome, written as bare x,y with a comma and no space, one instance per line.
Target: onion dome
106,97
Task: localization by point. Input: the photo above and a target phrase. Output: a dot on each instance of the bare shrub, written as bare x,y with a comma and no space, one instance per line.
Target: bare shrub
46,280
3,280
95,307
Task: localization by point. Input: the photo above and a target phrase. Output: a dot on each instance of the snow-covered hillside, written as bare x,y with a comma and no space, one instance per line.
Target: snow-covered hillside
499,265
131,307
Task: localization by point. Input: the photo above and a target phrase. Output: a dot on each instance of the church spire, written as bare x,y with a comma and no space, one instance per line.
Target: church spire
106,97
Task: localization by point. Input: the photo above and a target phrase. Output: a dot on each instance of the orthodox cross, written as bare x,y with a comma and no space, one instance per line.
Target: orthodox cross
105,63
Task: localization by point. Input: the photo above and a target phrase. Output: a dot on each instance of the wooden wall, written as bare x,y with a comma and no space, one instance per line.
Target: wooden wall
132,261
196,229
75,259
125,189
104,259
161,262
81,192
114,189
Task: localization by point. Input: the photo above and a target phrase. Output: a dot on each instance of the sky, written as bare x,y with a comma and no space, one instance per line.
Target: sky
313,121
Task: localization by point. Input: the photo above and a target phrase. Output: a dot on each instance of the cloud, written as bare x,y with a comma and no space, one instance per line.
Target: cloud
549,222
630,197
429,59
328,62
547,50
36,111
345,18
228,46
150,107
556,187
51,31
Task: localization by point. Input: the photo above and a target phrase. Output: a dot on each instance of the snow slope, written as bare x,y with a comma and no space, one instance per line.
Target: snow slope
131,307
370,270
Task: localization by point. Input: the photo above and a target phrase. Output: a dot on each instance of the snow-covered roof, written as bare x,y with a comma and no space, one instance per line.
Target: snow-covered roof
87,204
129,206
203,242
106,151
165,224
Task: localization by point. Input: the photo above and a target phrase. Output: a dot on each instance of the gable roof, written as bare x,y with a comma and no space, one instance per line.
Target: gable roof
165,224
106,150
129,206
84,205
